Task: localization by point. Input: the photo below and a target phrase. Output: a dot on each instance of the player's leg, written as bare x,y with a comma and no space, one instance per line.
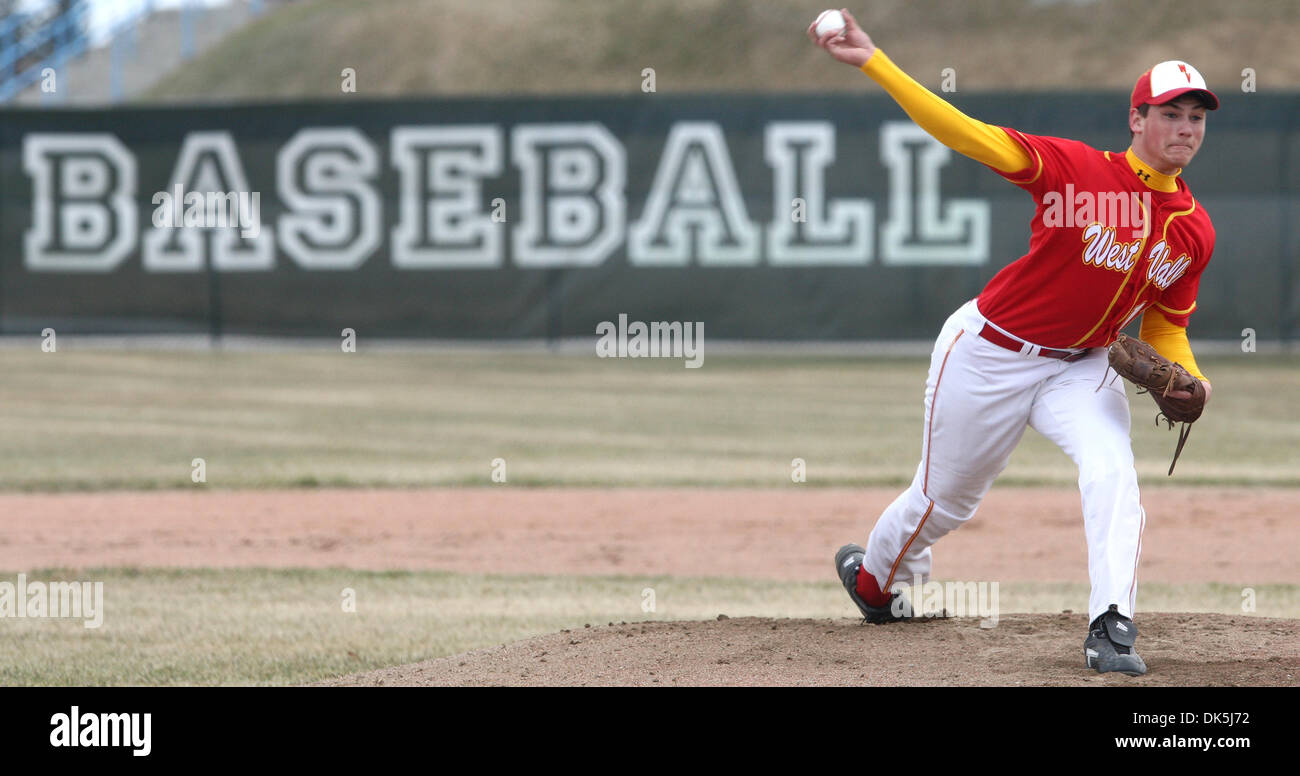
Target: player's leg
1091,425
977,402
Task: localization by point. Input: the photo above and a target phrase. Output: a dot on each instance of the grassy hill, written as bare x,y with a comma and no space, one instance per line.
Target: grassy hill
465,47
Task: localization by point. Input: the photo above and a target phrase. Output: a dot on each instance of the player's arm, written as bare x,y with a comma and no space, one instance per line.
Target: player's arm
1170,340
982,142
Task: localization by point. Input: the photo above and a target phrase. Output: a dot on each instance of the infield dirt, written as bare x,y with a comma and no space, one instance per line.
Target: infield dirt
1025,649
1192,535
1199,534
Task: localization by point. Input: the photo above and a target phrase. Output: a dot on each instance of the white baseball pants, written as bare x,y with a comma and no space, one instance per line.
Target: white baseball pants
979,398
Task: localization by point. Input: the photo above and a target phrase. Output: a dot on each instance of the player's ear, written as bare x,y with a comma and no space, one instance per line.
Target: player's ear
1135,119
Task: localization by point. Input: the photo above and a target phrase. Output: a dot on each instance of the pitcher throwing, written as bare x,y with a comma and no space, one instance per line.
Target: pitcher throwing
1030,350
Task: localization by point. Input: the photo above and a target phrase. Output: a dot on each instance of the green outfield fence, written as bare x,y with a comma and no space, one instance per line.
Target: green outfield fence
773,218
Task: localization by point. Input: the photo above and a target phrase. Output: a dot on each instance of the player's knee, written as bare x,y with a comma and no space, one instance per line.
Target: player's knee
948,500
951,510
1113,467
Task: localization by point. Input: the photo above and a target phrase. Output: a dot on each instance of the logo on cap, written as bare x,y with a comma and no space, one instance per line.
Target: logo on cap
1168,81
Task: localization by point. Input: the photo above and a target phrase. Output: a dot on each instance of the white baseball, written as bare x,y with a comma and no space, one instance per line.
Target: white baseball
829,21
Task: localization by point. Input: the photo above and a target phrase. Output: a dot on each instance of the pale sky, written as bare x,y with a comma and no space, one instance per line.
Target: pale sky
105,13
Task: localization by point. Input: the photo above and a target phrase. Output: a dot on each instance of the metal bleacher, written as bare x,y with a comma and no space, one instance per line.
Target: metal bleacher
35,43
105,51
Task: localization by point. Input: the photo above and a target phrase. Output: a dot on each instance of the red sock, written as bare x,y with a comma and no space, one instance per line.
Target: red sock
869,589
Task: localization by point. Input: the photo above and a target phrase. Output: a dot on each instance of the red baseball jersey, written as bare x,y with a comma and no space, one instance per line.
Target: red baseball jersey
1104,247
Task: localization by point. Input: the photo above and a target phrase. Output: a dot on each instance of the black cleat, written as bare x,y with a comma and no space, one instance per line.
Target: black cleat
1109,646
847,562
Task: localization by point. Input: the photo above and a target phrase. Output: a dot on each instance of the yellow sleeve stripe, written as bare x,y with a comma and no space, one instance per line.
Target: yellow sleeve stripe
1172,311
982,142
1170,341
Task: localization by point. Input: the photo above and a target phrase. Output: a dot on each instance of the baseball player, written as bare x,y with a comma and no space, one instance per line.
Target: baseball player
1030,350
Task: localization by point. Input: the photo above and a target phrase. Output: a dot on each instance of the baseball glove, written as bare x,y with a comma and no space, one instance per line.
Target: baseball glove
1152,373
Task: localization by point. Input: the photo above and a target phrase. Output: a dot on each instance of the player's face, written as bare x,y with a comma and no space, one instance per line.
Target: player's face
1169,135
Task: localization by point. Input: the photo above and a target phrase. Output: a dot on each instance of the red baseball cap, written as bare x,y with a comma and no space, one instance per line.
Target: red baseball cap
1167,82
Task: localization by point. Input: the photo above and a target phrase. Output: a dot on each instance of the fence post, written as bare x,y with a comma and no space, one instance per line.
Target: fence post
187,30
1286,276
115,55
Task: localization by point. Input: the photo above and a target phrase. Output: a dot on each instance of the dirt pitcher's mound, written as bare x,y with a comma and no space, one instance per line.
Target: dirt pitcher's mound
1023,649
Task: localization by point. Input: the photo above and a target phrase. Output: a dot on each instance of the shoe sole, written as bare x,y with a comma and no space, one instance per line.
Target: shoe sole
1129,665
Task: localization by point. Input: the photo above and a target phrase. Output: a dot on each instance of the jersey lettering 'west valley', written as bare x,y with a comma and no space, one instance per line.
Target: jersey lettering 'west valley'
1136,245
1083,281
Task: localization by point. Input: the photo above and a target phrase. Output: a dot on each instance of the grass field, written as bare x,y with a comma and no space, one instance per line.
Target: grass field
273,627
92,420
100,419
